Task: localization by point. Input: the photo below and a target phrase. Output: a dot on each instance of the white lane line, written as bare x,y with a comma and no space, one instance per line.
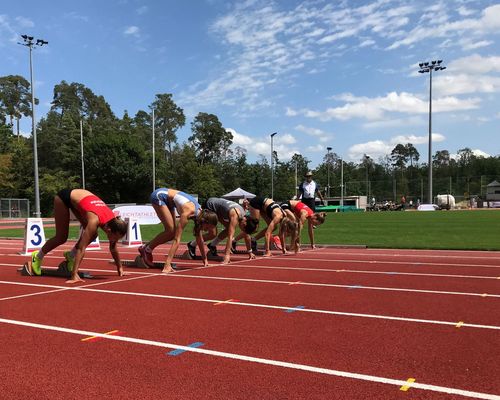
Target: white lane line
494,256
67,288
356,271
265,306
360,287
258,360
304,283
409,263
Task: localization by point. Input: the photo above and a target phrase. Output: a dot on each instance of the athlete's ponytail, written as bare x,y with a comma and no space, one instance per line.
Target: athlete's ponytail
204,217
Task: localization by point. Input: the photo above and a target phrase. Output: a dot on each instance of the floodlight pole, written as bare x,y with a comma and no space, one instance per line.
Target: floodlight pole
429,67
328,170
81,151
154,155
28,42
342,184
272,165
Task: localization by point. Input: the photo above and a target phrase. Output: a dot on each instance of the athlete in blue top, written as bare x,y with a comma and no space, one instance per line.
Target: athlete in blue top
166,202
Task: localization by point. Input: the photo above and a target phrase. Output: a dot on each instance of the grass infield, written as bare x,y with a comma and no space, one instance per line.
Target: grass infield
467,230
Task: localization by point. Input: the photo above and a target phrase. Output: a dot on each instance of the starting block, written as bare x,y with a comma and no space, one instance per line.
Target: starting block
186,256
138,262
61,271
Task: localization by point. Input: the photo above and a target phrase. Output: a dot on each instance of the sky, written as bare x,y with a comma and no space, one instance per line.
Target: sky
339,74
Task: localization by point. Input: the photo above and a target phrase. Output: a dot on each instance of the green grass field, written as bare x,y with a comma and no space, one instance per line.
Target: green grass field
471,230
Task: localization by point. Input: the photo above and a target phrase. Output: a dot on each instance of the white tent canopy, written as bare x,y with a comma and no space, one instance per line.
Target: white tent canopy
238,193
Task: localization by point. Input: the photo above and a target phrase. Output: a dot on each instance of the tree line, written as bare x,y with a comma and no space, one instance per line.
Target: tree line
118,155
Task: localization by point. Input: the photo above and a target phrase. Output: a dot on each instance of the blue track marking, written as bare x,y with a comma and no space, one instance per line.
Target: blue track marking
180,351
291,310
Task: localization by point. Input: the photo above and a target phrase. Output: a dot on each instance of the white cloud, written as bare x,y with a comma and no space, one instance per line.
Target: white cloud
375,149
73,15
25,22
379,148
377,107
476,152
132,30
283,144
475,64
319,148
413,139
489,22
310,131
142,10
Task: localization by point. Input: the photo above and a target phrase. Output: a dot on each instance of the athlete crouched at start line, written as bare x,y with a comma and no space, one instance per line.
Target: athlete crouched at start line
231,215
92,213
165,202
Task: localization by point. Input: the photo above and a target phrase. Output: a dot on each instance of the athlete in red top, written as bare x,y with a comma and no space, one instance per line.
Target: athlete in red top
92,213
302,213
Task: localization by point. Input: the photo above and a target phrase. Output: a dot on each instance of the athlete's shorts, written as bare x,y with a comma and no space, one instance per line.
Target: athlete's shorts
271,207
159,197
65,196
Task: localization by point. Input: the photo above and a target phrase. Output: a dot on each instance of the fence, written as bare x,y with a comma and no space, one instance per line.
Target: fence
14,208
462,188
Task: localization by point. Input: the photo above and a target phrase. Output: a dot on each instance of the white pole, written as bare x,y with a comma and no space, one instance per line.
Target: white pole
296,180
154,163
342,182
35,145
81,151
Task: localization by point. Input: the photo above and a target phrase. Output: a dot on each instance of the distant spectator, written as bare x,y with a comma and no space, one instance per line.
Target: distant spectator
403,202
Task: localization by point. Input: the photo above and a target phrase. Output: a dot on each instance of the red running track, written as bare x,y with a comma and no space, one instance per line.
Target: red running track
360,335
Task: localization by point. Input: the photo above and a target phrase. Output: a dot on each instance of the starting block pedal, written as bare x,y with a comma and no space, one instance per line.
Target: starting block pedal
61,271
138,262
186,256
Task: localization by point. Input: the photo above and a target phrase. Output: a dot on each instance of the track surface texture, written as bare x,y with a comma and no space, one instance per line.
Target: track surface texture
327,323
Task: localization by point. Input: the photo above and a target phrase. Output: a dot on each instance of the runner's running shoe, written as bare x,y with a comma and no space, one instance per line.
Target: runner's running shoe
254,245
36,263
233,246
147,256
191,251
212,250
276,242
70,260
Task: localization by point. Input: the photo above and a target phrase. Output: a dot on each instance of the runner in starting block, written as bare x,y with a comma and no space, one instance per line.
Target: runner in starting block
61,271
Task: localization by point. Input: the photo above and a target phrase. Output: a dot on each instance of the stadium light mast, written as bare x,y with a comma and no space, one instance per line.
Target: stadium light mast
342,184
153,150
30,43
424,68
272,164
328,149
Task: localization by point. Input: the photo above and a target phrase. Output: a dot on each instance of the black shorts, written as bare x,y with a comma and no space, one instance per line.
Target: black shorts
286,206
310,203
65,196
257,202
271,207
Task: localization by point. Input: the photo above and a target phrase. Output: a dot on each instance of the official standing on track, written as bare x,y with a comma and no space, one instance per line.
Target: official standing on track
308,190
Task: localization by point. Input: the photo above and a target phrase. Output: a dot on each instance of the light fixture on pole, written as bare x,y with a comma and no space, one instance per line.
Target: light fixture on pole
328,170
272,164
429,67
29,43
